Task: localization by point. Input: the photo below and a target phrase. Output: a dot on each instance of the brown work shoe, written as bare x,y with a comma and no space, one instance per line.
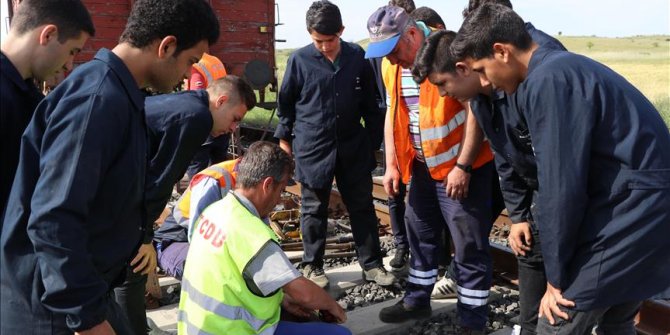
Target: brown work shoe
379,275
315,274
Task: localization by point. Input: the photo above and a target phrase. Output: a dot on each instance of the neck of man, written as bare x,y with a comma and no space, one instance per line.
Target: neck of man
255,196
137,60
20,52
524,57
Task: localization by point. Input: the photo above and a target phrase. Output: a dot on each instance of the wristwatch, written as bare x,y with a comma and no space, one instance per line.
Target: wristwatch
466,168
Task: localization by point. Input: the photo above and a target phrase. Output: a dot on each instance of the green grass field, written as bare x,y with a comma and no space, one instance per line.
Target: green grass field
643,60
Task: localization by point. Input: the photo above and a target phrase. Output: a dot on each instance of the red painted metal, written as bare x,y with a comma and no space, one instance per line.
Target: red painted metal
247,31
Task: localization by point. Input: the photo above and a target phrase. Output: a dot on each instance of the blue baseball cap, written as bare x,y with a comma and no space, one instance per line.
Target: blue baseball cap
385,26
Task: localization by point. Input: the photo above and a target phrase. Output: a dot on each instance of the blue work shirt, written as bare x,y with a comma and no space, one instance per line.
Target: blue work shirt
320,110
18,101
76,211
178,124
508,136
603,170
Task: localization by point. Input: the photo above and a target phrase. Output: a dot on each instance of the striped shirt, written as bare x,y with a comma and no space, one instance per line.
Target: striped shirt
409,94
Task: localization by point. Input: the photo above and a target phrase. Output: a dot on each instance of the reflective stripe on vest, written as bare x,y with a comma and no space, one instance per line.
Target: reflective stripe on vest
191,329
443,131
219,308
210,67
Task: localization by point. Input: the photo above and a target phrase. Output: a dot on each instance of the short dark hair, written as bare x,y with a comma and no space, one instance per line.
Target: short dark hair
434,56
489,24
263,159
474,4
407,5
190,21
324,17
233,83
428,16
69,16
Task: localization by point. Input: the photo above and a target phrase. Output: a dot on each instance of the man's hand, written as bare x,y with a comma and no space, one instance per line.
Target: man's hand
520,238
457,183
391,181
145,261
337,312
549,304
289,305
286,146
103,328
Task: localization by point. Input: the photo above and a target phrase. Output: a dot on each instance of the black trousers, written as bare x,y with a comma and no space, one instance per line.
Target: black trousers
532,283
130,296
355,186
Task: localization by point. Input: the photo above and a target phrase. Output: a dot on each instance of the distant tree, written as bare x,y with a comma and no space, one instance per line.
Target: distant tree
560,33
589,45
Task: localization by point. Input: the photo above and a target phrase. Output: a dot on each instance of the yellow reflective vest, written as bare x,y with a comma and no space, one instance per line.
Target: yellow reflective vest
214,297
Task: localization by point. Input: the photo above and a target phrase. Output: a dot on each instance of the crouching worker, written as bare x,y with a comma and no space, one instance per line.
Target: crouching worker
237,278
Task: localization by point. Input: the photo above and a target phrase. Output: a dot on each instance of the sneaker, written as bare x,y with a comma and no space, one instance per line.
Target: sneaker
401,312
399,261
379,275
444,289
315,274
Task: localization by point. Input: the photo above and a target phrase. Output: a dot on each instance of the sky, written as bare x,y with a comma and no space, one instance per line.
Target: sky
604,18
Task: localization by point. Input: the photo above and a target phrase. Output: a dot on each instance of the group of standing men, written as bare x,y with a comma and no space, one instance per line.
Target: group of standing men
579,153
578,150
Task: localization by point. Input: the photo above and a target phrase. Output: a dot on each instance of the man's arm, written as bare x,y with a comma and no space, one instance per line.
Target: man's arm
286,99
458,181
560,124
203,194
79,142
392,177
372,115
518,197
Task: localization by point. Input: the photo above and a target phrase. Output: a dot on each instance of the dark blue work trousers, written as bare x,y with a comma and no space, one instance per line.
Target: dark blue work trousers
355,187
397,216
469,222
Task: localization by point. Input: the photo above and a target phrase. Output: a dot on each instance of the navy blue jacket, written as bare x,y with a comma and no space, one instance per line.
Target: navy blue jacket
603,170
178,124
320,110
76,211
19,99
507,133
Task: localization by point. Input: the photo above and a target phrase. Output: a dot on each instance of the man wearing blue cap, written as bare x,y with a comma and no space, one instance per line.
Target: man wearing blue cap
433,140
327,88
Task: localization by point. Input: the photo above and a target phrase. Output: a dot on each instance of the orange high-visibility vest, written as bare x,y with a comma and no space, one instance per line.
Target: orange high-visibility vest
223,172
211,69
440,128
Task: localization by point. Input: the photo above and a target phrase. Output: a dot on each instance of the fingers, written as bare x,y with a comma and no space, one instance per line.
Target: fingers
557,311
142,265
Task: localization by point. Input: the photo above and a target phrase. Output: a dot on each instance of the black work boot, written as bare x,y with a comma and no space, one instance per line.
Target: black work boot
399,261
401,312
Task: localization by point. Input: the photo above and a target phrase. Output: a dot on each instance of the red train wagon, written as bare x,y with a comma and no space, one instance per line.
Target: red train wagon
246,45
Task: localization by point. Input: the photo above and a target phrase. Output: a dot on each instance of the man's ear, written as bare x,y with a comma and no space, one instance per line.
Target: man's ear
48,33
463,69
221,100
167,47
339,33
267,184
501,52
